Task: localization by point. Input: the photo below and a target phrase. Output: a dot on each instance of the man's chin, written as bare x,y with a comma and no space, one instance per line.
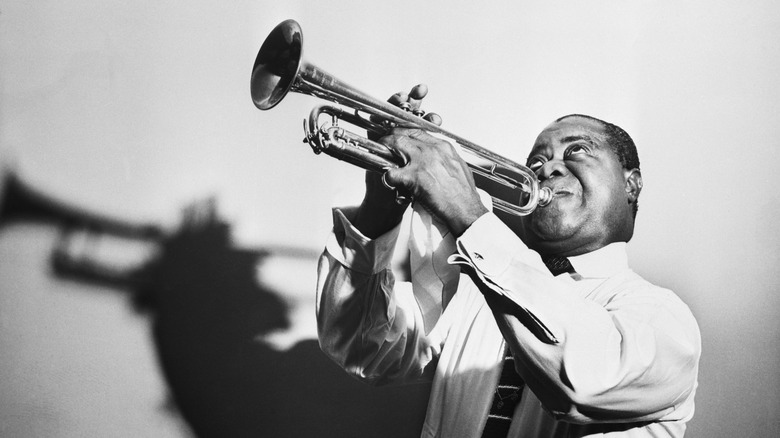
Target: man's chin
548,221
548,227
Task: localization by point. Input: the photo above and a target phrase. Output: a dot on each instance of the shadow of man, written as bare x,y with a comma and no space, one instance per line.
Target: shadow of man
208,308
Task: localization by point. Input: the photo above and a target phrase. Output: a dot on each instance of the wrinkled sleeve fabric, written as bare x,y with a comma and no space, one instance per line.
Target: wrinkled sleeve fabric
367,323
629,355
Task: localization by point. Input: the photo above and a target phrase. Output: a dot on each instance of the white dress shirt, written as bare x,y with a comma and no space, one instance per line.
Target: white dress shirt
604,352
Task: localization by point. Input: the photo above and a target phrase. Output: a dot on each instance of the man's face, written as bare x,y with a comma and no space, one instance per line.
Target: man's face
590,206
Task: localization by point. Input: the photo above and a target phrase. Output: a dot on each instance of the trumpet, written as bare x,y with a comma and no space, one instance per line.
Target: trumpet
279,69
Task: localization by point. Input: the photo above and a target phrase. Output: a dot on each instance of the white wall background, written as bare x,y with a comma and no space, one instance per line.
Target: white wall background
137,108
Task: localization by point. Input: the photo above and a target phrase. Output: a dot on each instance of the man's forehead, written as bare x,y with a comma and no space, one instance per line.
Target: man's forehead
570,129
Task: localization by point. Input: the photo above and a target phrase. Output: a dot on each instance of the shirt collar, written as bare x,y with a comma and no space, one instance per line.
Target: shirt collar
603,262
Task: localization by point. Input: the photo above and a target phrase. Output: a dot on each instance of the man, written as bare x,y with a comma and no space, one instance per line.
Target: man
599,351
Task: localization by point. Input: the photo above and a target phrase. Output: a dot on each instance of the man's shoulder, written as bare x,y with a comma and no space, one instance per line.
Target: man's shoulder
634,291
630,283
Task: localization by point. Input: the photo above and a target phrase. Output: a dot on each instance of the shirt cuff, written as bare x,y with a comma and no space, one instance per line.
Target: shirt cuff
354,250
490,246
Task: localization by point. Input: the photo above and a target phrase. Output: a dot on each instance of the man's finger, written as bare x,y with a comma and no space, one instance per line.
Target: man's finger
433,118
398,178
418,92
416,95
415,133
398,98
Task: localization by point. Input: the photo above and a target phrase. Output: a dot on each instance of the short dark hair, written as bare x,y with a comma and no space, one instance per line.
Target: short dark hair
619,141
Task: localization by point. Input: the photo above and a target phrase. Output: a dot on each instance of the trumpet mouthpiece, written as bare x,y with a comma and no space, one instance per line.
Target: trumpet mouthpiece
545,196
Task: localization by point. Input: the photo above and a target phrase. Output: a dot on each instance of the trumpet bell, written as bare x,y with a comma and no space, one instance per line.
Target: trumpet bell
277,64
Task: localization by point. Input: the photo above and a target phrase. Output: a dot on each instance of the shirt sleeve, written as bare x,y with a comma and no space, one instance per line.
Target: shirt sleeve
633,357
367,322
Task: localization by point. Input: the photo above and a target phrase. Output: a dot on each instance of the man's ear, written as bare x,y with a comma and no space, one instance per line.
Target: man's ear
633,184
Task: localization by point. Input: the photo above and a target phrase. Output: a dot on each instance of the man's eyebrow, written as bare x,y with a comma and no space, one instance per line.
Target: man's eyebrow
573,138
538,149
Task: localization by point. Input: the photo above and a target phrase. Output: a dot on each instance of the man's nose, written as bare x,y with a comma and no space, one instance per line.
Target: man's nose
551,169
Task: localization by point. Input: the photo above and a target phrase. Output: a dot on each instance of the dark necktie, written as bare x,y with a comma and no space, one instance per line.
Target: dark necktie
558,265
508,392
510,385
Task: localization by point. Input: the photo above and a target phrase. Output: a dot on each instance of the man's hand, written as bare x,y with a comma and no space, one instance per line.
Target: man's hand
436,176
380,210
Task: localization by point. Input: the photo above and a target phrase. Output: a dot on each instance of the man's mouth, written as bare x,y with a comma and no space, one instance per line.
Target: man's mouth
560,191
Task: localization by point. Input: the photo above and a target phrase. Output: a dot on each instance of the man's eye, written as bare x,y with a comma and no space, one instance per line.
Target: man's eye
575,149
535,164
